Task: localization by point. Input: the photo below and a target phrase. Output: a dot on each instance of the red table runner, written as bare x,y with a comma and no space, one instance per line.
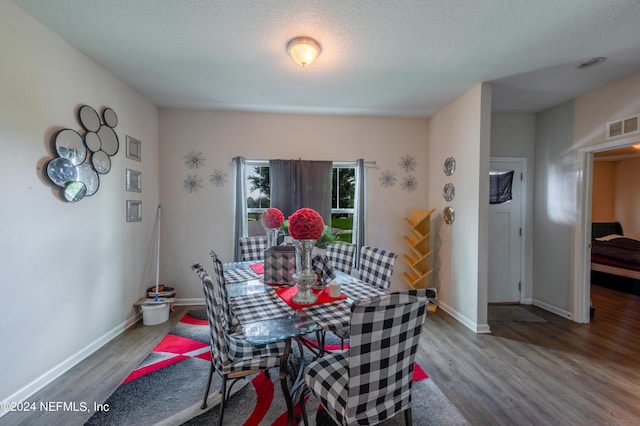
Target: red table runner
258,268
287,294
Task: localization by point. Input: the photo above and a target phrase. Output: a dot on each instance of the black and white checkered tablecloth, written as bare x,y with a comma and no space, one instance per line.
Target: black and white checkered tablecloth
360,290
268,305
259,307
239,275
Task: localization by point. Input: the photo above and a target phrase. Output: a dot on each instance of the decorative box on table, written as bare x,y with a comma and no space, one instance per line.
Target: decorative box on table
279,264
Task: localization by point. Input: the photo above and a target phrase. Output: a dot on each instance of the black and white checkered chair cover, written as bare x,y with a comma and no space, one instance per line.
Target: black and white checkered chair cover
229,321
231,355
341,256
376,266
252,248
371,381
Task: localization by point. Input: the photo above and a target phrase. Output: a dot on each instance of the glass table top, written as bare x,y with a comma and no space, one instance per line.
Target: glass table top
278,329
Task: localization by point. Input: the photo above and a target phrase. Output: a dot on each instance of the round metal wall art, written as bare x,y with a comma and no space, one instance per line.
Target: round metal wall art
89,118
449,215
449,192
449,166
82,158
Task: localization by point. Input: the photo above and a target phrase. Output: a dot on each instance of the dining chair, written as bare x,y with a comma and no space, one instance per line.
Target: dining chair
341,256
371,381
232,357
252,248
376,266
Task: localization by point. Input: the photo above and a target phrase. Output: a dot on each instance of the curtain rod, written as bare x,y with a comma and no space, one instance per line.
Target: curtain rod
373,163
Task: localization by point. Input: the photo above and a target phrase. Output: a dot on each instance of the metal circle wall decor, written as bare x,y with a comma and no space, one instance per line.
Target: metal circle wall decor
449,192
69,145
110,118
449,166
449,215
92,140
81,158
89,118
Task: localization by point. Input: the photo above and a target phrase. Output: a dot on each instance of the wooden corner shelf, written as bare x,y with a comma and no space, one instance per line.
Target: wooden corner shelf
419,222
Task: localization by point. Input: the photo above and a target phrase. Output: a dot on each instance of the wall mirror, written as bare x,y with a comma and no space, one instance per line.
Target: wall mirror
449,215
449,192
449,166
81,159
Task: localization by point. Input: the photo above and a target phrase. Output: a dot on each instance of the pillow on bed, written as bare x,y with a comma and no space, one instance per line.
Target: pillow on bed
609,237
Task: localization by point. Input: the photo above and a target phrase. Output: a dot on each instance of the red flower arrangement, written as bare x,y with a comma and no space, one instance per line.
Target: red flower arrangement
306,224
272,218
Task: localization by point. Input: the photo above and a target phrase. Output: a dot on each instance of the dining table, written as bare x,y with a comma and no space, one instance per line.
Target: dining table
268,314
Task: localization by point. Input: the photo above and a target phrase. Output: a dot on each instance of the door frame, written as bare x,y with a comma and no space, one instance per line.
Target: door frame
581,300
523,218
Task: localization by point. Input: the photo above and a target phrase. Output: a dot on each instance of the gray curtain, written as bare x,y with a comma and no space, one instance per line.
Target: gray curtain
240,205
296,184
359,207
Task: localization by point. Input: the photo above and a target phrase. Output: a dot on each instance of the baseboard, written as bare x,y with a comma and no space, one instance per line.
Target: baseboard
471,325
551,308
189,302
66,365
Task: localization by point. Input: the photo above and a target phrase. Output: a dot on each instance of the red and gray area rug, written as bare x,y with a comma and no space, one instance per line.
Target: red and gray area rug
168,385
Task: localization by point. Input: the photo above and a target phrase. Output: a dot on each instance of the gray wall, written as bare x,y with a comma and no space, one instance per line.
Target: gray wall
514,135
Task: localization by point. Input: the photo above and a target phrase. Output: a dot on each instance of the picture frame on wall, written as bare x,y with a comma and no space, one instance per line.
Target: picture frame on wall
134,181
134,211
134,148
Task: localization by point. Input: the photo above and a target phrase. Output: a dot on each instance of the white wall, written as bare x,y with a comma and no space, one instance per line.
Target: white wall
462,130
627,196
195,223
562,134
69,272
513,135
555,208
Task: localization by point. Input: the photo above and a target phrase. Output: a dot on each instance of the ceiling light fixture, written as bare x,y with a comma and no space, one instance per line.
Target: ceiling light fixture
591,62
303,50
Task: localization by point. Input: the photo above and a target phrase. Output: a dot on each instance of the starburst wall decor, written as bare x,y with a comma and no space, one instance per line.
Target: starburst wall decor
409,183
192,183
194,160
218,177
387,179
407,163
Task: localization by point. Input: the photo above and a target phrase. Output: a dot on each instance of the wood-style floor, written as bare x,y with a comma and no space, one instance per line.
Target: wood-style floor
553,373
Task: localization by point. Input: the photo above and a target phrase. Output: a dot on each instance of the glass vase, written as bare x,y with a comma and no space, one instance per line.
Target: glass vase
304,277
272,236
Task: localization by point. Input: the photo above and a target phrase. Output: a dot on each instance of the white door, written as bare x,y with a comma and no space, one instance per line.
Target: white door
505,238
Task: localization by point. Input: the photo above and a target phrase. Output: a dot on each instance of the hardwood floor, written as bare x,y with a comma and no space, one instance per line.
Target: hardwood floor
552,373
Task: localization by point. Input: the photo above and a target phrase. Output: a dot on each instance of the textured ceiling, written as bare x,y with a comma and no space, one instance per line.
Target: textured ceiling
382,58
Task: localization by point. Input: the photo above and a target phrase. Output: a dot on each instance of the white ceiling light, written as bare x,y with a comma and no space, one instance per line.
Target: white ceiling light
303,50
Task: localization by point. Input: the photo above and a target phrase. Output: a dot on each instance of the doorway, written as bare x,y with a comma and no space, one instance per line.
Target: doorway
506,232
581,301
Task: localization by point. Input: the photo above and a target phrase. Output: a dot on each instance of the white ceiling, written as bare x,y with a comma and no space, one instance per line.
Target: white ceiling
383,58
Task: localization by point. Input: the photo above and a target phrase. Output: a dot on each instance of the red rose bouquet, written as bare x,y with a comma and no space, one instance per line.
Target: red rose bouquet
272,218
306,224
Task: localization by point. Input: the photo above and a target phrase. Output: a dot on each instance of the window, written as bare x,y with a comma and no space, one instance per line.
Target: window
342,197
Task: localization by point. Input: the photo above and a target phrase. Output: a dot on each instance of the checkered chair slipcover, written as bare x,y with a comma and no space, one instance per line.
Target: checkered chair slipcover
371,381
252,248
231,355
229,321
341,256
376,266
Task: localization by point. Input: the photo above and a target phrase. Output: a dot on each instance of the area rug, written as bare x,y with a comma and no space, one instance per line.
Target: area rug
511,313
168,386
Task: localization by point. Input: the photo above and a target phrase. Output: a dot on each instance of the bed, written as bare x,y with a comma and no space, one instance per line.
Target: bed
615,259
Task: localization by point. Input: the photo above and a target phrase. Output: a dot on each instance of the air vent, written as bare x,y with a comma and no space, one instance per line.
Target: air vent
623,127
